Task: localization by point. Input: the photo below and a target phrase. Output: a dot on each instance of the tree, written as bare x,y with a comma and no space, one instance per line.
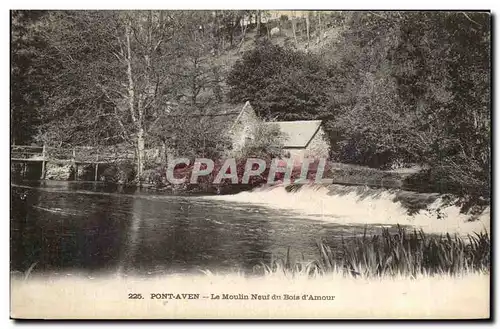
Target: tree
320,27
226,23
197,73
26,98
307,28
267,142
294,28
415,87
280,82
258,23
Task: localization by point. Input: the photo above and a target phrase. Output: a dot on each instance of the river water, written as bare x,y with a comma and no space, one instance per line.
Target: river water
89,227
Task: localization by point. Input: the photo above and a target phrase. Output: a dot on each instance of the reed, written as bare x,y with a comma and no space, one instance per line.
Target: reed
404,253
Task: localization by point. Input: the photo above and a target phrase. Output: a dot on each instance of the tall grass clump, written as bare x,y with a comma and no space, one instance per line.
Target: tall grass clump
289,267
395,254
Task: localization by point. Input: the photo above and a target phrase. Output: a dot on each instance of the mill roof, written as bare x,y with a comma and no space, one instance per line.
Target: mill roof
298,133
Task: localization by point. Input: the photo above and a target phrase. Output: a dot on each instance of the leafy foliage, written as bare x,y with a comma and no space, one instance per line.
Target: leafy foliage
26,96
280,82
122,172
267,142
419,86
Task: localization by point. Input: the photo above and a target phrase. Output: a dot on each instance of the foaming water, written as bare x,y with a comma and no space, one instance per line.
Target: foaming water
364,205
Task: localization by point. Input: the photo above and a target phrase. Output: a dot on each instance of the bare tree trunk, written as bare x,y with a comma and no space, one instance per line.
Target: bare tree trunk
320,30
130,89
140,152
294,28
140,138
307,28
217,87
215,34
194,83
131,101
242,38
231,35
258,23
164,149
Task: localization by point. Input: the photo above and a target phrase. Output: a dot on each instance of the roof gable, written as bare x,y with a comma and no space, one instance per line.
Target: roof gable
298,133
247,108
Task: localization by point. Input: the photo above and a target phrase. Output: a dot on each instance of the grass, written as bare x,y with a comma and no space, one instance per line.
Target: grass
409,254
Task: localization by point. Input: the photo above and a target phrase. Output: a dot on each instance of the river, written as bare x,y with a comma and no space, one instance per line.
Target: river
66,227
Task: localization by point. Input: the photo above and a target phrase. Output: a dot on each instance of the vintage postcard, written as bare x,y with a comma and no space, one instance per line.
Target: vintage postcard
250,164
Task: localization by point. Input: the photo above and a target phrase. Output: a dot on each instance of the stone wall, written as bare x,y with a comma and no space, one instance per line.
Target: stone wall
55,171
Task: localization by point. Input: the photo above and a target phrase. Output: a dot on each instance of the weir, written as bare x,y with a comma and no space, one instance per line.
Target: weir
363,205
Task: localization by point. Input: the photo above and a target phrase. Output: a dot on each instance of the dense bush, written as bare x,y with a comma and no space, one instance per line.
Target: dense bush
123,172
472,197
266,142
155,176
280,82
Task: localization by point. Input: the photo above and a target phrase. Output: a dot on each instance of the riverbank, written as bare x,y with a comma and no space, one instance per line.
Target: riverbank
80,297
430,212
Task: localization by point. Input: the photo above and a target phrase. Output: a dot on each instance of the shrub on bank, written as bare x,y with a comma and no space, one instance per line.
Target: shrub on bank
123,172
470,197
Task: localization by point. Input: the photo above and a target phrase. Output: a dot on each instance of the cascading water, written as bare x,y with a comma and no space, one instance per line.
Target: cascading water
365,205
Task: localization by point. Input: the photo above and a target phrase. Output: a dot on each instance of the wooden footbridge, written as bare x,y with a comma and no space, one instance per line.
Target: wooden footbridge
76,156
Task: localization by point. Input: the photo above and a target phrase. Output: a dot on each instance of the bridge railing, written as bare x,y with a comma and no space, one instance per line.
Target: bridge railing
59,153
26,152
76,154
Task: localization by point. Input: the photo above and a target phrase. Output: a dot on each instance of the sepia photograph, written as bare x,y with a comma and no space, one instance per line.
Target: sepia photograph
250,164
